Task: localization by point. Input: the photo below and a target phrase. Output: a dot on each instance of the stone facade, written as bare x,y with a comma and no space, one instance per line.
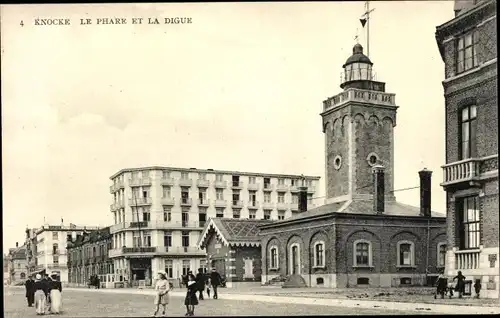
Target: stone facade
339,232
474,87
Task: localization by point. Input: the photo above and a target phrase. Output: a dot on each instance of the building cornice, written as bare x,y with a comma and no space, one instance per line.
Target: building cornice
340,215
240,173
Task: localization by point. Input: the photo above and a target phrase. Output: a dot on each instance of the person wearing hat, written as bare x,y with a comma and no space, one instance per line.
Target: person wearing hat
41,290
162,297
55,289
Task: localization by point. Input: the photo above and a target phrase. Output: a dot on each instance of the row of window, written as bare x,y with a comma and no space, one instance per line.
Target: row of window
362,254
218,177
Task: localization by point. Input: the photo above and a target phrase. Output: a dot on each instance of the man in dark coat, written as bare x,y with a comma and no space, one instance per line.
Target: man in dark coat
200,283
30,291
216,280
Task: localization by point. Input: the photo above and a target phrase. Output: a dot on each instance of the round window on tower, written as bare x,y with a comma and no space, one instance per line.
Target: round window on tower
372,159
337,162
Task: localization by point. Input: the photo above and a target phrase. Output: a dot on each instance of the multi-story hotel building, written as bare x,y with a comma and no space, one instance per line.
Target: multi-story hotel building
46,248
17,264
468,46
168,207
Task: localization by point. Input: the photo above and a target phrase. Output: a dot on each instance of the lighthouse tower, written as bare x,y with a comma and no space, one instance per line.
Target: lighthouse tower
358,124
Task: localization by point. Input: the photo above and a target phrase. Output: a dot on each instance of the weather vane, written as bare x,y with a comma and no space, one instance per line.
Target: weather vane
357,36
365,20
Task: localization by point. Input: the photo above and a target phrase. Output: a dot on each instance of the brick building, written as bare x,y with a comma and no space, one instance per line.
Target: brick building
468,47
233,248
88,255
362,236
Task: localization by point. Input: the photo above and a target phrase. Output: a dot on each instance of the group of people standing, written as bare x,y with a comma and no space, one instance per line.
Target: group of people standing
194,284
45,293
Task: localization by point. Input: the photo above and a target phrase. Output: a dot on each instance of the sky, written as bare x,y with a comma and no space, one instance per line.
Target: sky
240,88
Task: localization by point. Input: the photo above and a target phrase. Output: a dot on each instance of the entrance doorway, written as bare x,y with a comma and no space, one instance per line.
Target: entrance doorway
140,269
220,266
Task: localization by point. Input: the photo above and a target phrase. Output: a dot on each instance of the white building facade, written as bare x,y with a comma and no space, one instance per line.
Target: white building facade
159,213
46,248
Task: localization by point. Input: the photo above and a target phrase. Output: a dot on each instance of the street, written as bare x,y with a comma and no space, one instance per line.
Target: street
101,304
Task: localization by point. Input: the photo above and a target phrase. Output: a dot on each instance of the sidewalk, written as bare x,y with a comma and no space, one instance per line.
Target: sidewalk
287,297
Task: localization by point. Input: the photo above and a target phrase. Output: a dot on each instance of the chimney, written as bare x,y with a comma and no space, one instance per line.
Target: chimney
17,244
425,192
378,189
302,194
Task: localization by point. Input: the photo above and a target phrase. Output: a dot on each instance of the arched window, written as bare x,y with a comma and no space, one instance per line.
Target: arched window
441,254
319,254
294,259
273,257
405,254
362,253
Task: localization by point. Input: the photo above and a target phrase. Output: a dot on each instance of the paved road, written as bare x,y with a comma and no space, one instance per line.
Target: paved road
98,304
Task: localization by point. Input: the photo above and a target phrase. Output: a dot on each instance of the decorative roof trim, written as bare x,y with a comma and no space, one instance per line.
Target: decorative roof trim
204,235
243,244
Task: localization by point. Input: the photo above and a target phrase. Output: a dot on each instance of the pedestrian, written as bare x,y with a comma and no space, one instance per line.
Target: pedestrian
162,297
30,291
441,284
215,280
209,286
477,287
191,301
41,291
55,294
200,282
460,284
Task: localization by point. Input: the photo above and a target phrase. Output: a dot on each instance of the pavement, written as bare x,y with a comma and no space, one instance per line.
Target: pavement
134,303
296,297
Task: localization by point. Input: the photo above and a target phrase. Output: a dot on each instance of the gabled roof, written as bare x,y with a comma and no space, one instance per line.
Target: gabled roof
363,207
233,232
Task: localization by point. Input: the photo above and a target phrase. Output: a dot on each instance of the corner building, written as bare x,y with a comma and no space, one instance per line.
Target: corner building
362,236
159,214
468,47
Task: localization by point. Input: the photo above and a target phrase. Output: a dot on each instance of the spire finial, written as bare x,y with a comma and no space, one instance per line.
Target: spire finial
365,20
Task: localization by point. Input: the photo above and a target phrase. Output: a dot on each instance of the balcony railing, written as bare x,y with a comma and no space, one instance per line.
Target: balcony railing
268,187
139,201
167,181
467,259
253,205
176,250
190,224
220,184
167,201
268,205
142,224
186,202
116,186
237,204
353,94
236,184
282,205
461,171
135,182
185,182
203,183
282,188
294,207
253,186
203,202
220,203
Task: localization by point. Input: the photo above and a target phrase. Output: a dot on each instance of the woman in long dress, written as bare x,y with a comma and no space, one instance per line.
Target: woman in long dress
55,295
191,300
162,297
41,290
